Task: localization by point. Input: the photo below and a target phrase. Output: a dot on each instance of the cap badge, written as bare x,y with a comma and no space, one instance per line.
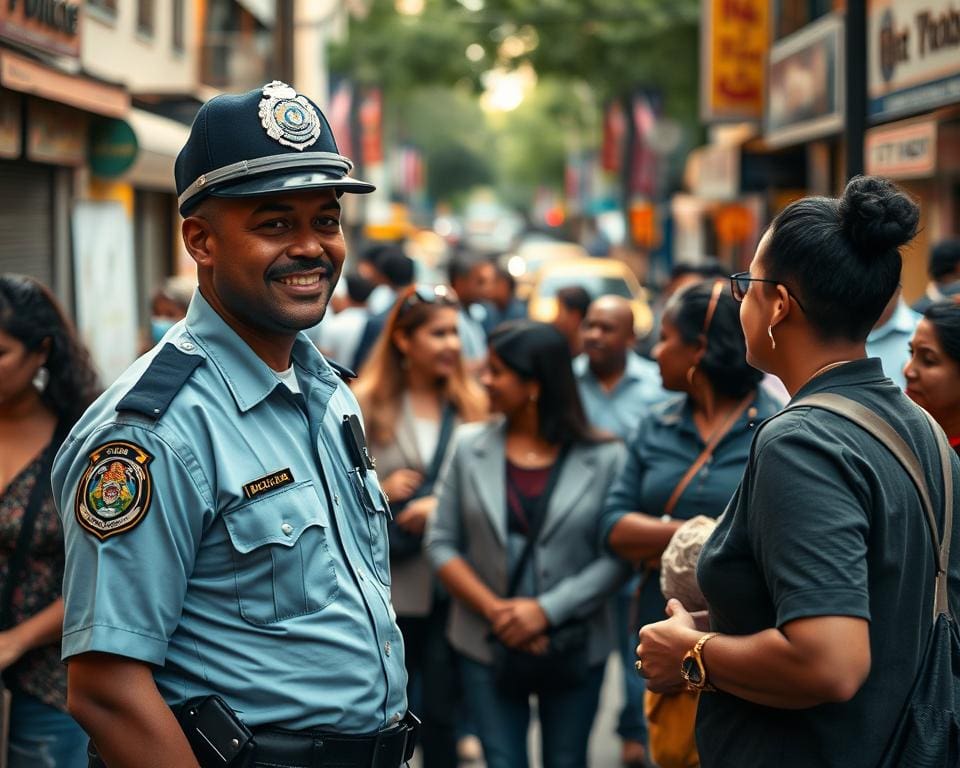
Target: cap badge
288,117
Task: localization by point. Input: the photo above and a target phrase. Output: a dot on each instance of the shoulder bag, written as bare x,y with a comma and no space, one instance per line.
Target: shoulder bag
927,731
403,544
564,664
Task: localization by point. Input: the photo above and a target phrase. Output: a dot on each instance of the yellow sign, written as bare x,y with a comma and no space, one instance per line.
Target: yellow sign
733,52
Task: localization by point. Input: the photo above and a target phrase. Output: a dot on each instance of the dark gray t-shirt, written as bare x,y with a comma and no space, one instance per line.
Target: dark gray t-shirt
826,523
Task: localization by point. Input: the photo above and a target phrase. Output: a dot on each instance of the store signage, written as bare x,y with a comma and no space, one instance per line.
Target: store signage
913,59
112,147
806,97
735,37
717,172
55,133
11,124
905,150
52,26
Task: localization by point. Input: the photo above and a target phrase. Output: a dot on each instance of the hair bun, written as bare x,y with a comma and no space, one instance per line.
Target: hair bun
876,215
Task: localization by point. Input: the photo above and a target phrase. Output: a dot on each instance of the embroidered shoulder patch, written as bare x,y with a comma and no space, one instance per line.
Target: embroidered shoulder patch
114,493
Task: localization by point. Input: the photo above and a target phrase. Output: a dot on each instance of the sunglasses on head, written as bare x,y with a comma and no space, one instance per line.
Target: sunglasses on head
740,284
442,295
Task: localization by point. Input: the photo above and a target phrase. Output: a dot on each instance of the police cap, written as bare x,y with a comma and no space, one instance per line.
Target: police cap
268,140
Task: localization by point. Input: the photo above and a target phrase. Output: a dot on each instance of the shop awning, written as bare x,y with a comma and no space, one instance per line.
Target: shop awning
19,73
160,139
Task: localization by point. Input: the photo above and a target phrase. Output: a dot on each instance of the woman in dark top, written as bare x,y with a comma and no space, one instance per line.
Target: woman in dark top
933,370
819,578
491,502
46,382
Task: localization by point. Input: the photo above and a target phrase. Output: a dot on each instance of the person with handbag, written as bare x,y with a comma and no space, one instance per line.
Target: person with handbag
515,541
684,460
820,578
46,381
413,390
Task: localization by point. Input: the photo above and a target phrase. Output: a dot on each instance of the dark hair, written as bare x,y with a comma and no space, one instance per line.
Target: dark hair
30,314
944,316
396,266
461,264
841,257
574,298
539,352
724,362
358,287
707,268
944,258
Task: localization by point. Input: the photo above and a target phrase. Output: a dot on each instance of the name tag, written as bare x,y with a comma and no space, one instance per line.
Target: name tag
268,483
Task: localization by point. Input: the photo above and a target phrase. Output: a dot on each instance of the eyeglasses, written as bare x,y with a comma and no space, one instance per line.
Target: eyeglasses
443,295
740,284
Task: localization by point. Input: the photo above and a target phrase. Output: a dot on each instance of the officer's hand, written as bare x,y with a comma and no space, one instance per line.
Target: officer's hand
520,621
415,515
401,484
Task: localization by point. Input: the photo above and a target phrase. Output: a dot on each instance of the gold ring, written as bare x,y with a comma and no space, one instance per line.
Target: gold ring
639,665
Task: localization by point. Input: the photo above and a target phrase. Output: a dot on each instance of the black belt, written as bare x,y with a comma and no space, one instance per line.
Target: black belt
280,748
304,749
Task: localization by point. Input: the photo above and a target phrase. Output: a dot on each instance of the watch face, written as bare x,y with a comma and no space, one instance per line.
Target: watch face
691,671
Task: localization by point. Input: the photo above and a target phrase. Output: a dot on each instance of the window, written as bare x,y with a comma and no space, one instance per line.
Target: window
108,7
145,17
178,25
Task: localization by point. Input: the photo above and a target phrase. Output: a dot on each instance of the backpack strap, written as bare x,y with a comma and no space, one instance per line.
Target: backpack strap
868,420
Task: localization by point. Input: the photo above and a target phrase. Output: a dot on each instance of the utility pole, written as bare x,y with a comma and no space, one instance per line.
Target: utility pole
855,55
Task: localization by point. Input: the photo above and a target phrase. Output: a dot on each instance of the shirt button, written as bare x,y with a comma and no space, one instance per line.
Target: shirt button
336,499
386,647
360,573
187,346
287,529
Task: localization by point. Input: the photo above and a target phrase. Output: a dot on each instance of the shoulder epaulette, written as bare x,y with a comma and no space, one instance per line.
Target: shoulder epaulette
342,371
160,382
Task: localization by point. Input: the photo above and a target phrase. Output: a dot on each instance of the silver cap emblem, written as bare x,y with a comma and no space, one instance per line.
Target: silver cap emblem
288,117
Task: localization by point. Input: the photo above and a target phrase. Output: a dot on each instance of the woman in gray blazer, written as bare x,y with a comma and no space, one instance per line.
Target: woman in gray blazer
413,391
515,541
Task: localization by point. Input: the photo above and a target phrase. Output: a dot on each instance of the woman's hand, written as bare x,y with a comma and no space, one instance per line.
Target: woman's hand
401,484
663,646
519,620
11,648
413,519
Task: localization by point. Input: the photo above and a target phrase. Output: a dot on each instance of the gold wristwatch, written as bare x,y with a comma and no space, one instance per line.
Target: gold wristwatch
692,669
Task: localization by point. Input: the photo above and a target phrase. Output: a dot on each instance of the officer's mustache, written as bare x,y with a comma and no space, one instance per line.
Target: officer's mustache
298,267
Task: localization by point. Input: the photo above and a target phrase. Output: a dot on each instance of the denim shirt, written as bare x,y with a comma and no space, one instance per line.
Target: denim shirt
620,410
258,567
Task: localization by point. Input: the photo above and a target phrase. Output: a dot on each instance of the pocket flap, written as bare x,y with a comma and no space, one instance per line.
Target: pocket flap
279,518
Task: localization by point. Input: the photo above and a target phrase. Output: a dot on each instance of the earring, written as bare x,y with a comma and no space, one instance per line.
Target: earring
691,372
40,379
773,341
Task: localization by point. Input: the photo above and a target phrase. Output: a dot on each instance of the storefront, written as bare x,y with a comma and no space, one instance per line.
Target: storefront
913,71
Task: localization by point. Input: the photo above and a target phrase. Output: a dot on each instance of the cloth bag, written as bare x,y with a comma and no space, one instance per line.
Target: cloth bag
927,732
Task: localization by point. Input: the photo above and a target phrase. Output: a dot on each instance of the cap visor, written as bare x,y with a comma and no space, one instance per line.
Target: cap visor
291,182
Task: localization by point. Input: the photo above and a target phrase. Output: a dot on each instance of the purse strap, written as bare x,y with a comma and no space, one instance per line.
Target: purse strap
705,454
543,501
439,453
27,525
867,419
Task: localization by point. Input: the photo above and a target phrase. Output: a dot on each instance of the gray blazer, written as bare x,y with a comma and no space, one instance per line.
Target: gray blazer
412,579
574,572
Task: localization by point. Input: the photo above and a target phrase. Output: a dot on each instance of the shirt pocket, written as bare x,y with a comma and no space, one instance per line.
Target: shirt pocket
281,557
373,501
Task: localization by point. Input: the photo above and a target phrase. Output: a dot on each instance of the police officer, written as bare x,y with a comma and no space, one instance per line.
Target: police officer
227,582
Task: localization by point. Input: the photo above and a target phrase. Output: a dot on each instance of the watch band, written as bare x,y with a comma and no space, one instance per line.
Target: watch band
696,654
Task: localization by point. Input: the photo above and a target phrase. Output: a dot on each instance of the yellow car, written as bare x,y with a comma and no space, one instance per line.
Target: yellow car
525,263
599,277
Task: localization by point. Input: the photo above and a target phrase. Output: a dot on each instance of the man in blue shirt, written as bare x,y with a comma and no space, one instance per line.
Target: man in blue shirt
225,530
890,338
618,388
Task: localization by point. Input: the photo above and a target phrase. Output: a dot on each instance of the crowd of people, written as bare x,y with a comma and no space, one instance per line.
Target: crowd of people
552,492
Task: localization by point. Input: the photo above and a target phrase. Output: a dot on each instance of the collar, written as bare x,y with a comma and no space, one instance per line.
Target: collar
856,373
678,410
636,368
248,378
903,320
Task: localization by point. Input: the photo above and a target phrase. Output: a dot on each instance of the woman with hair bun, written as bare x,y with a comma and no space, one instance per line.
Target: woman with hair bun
819,579
933,370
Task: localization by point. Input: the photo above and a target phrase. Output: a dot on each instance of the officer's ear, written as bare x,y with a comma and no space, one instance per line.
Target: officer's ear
198,235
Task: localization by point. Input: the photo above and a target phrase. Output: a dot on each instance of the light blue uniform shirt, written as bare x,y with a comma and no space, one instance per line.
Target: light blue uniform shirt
890,342
259,570
620,410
